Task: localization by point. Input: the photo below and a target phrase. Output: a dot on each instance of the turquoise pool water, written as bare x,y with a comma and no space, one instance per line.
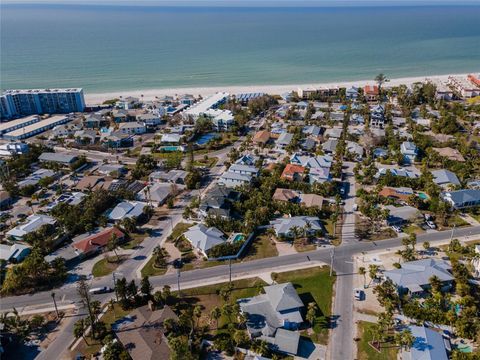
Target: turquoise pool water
171,148
422,196
238,237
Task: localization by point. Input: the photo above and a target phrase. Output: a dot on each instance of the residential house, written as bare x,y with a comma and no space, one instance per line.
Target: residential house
414,276
35,177
380,153
462,199
311,200
171,138
150,119
127,103
14,253
330,146
234,179
203,239
132,128
397,193
286,195
127,209
142,333
377,116
312,130
217,202
95,121
91,244
251,171
261,137
319,175
107,169
13,148
284,140
90,183
309,225
402,214
334,133
352,93
155,194
247,159
371,93
117,139
409,151
32,223
427,344
450,154
308,144
63,159
86,136
445,178
174,176
293,172
274,317
355,149
412,174
312,162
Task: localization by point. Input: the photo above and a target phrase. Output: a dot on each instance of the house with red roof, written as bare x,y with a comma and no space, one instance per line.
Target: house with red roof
371,92
95,242
293,172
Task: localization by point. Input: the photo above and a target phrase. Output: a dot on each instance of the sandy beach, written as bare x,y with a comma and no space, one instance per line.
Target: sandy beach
150,94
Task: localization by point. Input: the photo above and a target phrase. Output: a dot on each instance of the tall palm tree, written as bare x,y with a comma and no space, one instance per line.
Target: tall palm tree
215,315
362,271
380,79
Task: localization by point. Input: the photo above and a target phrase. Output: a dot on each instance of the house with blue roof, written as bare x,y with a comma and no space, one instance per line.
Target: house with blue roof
351,93
445,178
462,199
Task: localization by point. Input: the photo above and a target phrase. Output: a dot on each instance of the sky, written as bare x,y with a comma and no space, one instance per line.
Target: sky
252,2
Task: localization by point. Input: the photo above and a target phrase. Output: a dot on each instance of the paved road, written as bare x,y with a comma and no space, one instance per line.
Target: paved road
342,334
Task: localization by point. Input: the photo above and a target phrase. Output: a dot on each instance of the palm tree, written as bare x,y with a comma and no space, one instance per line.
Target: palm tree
405,339
215,315
435,283
362,271
311,313
113,245
380,79
79,330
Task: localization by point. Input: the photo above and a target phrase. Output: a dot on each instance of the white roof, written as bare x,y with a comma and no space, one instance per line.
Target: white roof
34,222
127,209
204,238
204,105
50,122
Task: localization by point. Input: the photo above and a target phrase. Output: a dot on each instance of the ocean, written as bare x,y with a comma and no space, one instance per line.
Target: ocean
114,48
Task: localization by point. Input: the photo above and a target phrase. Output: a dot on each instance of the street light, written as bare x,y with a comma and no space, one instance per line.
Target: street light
332,256
178,283
115,283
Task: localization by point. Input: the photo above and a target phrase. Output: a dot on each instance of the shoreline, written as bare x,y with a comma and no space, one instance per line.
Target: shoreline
150,94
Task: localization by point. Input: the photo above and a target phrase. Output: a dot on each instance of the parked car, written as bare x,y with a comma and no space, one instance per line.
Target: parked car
431,224
101,290
358,294
396,228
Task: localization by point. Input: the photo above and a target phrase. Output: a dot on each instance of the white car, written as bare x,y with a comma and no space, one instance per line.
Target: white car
396,228
431,224
358,294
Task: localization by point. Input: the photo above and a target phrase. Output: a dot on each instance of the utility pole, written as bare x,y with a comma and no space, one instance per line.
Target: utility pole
55,304
178,283
230,269
332,256
453,229
115,285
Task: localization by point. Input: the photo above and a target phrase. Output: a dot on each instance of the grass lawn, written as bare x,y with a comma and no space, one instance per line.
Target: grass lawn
209,162
135,240
363,231
367,352
94,346
337,238
207,297
414,229
456,221
304,247
260,248
178,230
150,270
105,267
314,285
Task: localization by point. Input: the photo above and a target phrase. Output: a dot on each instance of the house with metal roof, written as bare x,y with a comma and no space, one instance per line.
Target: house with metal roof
445,178
284,140
312,162
14,253
462,199
319,175
399,215
59,158
35,177
275,316
247,159
127,209
428,345
33,223
307,225
312,130
414,276
411,173
203,238
156,194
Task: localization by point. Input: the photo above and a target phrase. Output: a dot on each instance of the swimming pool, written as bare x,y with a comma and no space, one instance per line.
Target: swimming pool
422,195
171,148
238,237
205,138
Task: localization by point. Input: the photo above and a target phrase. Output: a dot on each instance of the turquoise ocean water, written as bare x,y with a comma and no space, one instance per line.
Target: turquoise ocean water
109,48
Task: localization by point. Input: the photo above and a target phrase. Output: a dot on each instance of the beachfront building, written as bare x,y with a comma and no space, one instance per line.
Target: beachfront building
37,127
132,128
12,125
464,87
371,93
211,102
15,103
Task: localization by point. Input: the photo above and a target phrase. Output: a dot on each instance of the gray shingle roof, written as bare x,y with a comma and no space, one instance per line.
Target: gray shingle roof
283,297
428,345
443,176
